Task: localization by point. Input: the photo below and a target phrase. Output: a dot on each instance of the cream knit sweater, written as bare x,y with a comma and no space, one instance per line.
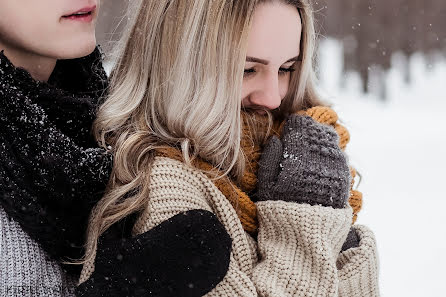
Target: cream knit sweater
297,252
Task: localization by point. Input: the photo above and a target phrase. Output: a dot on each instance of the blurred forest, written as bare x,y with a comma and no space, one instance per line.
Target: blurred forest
370,30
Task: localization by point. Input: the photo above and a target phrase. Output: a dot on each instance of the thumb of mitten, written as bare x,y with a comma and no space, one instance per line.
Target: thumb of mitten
352,240
269,167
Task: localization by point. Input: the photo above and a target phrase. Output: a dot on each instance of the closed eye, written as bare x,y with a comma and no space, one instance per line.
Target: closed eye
248,72
283,71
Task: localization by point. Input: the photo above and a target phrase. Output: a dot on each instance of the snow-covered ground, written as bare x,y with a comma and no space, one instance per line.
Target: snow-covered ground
399,147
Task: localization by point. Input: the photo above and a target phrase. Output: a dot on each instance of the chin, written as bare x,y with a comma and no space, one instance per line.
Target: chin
75,48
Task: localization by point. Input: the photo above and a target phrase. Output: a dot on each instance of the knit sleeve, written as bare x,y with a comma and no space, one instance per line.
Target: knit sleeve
298,246
358,267
175,190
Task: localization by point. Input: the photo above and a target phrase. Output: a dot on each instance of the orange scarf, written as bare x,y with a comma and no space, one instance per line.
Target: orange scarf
237,194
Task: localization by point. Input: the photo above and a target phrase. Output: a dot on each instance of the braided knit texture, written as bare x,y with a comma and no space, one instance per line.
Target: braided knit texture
306,165
26,270
279,262
326,115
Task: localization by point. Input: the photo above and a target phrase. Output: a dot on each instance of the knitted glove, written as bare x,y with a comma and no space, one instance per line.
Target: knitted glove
187,255
306,166
352,240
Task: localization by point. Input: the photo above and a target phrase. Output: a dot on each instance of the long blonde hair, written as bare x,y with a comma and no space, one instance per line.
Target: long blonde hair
177,83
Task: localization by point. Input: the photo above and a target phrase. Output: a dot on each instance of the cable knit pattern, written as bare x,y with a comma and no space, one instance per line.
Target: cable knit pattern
297,248
26,270
236,193
303,254
326,115
308,152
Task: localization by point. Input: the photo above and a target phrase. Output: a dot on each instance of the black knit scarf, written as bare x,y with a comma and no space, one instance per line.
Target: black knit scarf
52,172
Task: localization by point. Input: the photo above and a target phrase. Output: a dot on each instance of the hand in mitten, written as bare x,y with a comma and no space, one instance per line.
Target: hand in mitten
187,255
305,166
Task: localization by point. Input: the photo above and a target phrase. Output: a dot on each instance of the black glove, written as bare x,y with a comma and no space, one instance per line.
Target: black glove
305,166
187,255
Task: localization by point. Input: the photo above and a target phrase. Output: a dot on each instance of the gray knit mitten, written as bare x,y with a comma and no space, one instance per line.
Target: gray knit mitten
305,166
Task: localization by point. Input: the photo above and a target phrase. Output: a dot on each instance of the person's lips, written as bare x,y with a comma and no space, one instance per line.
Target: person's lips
85,14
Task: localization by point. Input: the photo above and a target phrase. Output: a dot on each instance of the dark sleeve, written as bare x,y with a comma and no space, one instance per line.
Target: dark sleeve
187,255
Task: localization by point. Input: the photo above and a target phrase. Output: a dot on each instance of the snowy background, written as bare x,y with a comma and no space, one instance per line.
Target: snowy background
399,147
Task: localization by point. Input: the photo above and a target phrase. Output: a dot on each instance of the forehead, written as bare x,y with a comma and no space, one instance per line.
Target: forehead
275,32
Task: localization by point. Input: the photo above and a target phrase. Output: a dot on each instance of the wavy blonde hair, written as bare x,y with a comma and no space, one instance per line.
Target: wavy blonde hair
177,82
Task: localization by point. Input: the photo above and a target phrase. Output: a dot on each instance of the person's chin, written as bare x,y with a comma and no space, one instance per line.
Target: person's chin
77,48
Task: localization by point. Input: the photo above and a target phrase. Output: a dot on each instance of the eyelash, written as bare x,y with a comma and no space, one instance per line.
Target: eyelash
282,71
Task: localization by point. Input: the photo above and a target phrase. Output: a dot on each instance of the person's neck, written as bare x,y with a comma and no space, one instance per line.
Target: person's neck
39,67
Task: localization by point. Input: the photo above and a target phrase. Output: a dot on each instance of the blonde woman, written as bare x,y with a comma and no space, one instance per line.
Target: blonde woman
197,88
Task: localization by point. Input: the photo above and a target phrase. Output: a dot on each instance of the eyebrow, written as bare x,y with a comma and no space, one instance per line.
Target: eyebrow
266,62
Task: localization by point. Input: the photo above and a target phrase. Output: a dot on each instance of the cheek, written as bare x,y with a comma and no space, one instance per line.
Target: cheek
284,84
27,29
246,89
18,32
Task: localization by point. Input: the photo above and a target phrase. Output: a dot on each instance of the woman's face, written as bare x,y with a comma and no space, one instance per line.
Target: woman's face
59,29
273,51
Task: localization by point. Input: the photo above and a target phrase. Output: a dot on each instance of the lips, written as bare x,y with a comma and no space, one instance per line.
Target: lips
84,14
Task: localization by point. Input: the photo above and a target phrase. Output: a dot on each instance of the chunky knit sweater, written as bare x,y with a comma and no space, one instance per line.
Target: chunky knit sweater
297,251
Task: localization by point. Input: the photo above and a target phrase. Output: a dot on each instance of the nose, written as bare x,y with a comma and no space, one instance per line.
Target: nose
267,93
